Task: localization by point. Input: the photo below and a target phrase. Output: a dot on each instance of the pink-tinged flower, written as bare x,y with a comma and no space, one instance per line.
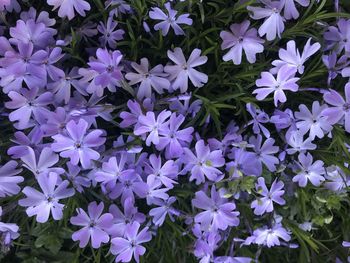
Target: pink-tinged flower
219,212
148,124
130,246
169,20
183,69
204,163
339,109
313,122
108,71
290,10
8,181
77,144
42,204
241,38
295,140
269,236
291,57
95,225
67,7
274,22
308,171
285,81
149,79
265,203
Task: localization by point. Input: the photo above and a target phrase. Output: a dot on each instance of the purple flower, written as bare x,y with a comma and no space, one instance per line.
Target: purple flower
206,243
285,81
337,180
74,176
308,171
169,20
76,144
244,163
8,181
295,139
239,39
204,163
95,225
154,190
259,117
274,22
41,204
164,208
269,236
4,4
173,139
149,79
264,151
291,57
219,212
108,72
339,37
34,139
66,8
26,105
130,245
109,34
183,69
165,173
148,124
290,10
340,109
313,121
42,164
265,203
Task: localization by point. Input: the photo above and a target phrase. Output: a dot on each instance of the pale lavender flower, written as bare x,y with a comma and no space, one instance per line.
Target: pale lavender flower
313,122
290,10
149,79
308,171
295,139
42,204
169,20
219,212
154,190
95,225
274,23
77,144
340,109
291,58
339,37
130,246
75,176
33,140
8,179
269,236
109,33
336,179
183,69
285,80
164,208
66,8
204,163
274,195
264,151
244,163
149,124
259,118
166,173
119,6
241,38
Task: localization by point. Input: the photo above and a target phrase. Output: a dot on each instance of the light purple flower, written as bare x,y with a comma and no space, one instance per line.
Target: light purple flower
264,151
164,208
77,144
290,10
219,212
340,109
109,33
8,179
149,124
169,20
166,173
4,4
241,38
204,163
78,180
291,58
183,69
149,79
95,225
308,171
244,163
339,37
336,179
42,204
67,7
130,246
259,118
285,81
274,23
274,195
295,139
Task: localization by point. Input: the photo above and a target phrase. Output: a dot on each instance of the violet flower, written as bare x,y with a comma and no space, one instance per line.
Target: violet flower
42,204
8,179
265,203
241,38
164,208
183,69
259,118
95,225
290,10
169,20
295,139
264,151
66,8
109,33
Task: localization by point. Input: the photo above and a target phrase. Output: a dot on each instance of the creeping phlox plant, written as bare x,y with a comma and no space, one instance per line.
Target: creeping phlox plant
174,131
